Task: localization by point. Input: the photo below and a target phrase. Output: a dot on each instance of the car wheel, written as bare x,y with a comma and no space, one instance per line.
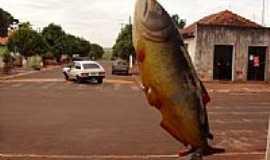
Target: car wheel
78,79
100,80
66,76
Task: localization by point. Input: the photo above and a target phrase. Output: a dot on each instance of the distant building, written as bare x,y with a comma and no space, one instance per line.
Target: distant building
226,46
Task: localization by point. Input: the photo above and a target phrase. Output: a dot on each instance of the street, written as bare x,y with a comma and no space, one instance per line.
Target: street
44,116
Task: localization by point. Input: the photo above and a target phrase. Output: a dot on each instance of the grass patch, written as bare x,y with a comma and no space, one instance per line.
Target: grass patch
3,50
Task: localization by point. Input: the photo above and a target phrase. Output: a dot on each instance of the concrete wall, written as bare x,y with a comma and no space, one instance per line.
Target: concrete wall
241,39
191,47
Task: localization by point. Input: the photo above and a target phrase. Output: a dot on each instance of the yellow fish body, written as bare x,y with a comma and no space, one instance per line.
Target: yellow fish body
169,78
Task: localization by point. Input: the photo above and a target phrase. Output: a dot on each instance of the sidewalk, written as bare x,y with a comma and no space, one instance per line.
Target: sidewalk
240,87
18,72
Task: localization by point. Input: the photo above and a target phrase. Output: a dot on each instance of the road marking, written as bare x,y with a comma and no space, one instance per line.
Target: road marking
87,156
135,88
32,80
118,81
238,113
47,85
80,86
116,86
242,94
117,156
37,80
99,88
16,85
235,121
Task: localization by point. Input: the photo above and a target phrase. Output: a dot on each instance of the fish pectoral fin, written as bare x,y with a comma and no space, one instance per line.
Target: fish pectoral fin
152,97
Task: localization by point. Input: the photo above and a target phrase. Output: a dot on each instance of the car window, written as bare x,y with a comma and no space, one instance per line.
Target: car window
90,66
78,67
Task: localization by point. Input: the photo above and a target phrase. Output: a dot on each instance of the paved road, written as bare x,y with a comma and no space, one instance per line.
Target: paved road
58,73
63,120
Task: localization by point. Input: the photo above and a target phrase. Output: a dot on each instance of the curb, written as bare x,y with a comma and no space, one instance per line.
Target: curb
28,73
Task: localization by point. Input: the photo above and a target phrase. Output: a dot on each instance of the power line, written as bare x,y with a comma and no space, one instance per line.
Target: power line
263,12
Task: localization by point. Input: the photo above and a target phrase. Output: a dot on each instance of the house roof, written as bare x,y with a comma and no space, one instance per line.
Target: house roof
223,18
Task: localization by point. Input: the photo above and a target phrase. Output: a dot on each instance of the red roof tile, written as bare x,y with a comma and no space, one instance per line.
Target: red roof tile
224,18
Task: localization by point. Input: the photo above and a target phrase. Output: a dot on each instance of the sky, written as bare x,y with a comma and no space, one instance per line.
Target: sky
100,21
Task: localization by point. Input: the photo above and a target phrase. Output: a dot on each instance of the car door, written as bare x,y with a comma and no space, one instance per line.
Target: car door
75,70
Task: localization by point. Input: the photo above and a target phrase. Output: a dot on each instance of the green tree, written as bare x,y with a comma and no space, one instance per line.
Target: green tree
123,46
61,43
71,45
84,47
27,42
96,51
180,23
5,20
25,25
55,36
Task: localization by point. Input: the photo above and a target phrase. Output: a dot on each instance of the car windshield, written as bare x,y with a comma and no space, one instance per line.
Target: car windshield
90,66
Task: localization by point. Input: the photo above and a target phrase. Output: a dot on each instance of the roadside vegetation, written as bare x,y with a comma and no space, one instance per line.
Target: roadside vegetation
123,46
51,42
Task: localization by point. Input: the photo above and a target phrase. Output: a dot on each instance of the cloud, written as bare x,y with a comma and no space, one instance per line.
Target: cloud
100,20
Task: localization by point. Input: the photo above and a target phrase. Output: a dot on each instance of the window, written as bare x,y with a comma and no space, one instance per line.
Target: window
90,66
78,67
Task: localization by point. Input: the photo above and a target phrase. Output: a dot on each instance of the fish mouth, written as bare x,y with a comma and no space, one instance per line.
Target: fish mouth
155,22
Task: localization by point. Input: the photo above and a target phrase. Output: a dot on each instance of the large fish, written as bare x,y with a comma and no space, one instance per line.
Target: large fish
169,79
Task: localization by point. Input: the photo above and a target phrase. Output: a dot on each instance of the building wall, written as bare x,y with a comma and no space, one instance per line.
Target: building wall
241,39
191,47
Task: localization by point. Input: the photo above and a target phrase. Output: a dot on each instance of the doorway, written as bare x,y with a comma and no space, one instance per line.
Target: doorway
223,59
256,63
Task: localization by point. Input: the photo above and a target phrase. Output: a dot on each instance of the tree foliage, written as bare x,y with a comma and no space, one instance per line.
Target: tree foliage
96,51
52,42
54,37
123,46
27,42
84,47
61,43
5,20
180,23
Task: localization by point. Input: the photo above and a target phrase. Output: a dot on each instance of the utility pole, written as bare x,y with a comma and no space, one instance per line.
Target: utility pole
263,12
130,20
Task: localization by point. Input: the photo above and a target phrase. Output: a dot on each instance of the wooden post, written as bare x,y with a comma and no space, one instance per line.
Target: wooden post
267,155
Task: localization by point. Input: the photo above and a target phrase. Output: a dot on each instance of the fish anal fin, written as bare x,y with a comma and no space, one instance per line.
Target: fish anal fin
170,129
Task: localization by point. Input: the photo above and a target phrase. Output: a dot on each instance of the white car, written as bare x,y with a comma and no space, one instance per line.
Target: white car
84,70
